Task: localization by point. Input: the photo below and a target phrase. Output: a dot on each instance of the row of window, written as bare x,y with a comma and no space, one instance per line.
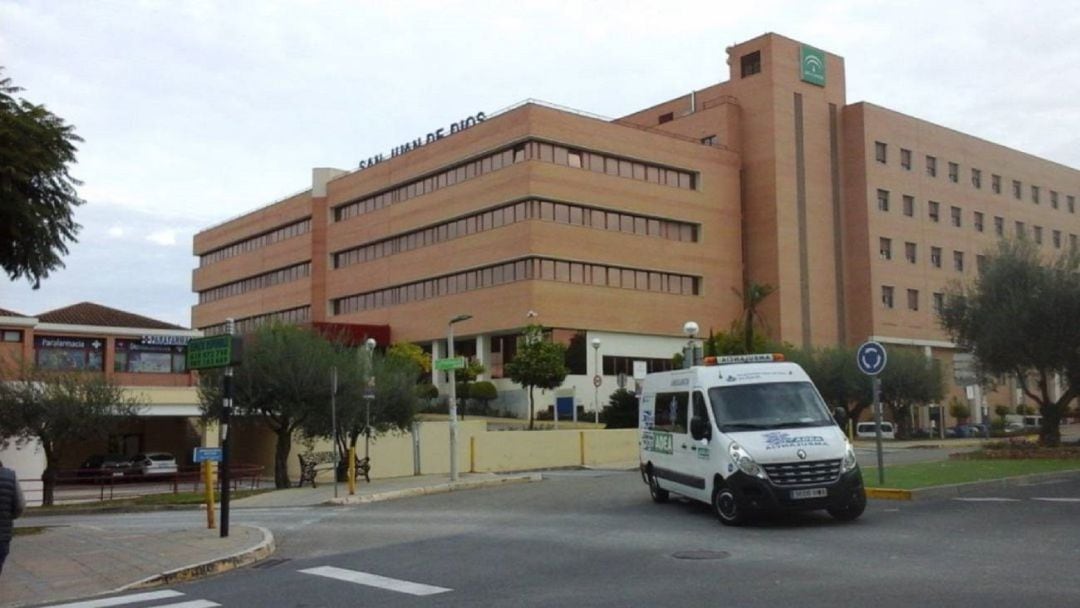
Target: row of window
888,298
615,365
291,316
564,213
881,154
911,254
956,219
530,150
261,281
256,242
526,269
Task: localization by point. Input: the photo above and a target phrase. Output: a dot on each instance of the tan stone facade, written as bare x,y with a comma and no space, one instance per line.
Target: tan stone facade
633,226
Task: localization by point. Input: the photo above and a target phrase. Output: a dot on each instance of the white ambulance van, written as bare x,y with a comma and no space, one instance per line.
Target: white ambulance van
746,434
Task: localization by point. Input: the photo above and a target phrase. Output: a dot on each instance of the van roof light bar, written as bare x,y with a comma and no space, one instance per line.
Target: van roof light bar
755,358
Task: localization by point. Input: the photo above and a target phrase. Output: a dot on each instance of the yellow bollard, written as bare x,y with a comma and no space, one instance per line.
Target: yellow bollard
472,454
351,469
208,482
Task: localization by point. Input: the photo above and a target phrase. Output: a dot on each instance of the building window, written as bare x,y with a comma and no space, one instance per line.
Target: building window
887,296
256,242
1020,232
995,183
935,257
954,173
1038,234
881,152
931,166
1053,199
1035,194
136,357
976,178
1070,203
1017,188
11,335
939,301
883,200
958,261
670,116
999,226
978,221
909,205
709,141
905,159
885,248
913,299
955,215
911,252
1072,242
751,64
934,211
64,353
1056,236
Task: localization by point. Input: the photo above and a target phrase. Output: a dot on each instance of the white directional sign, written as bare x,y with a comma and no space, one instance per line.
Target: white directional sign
871,358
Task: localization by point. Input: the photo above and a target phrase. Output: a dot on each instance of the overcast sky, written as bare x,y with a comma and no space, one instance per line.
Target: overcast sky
195,112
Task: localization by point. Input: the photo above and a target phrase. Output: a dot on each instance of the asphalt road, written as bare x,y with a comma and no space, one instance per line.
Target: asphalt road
584,538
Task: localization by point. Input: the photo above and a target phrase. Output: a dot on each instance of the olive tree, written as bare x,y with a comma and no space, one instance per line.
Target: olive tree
1019,317
538,363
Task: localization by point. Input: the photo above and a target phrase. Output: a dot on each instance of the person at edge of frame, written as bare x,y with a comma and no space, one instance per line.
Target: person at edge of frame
12,504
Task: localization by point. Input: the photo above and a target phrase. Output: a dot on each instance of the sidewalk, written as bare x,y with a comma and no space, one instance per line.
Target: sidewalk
72,561
66,562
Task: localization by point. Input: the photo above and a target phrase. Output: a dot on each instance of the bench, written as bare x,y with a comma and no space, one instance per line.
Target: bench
312,463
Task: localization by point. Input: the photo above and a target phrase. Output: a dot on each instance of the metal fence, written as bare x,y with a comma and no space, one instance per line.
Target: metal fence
97,485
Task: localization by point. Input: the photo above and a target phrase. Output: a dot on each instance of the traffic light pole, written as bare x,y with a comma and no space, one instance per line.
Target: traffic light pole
226,415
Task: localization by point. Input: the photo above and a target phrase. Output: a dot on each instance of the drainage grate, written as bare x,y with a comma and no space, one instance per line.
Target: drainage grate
270,563
701,554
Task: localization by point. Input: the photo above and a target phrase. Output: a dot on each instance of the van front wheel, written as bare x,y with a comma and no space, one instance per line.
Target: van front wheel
657,493
852,509
727,508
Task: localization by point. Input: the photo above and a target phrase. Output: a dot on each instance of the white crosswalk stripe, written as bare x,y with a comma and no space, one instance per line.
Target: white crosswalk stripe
374,580
191,604
123,600
1057,499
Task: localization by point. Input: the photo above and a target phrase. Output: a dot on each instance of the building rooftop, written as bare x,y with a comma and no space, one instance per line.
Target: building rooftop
88,313
10,313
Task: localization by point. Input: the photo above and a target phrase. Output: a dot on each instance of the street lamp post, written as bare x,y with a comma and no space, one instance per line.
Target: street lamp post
597,380
369,396
453,395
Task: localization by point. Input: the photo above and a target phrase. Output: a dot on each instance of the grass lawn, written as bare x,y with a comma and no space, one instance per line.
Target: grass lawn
927,474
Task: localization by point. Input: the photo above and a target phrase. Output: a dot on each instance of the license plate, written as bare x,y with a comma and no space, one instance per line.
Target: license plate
809,493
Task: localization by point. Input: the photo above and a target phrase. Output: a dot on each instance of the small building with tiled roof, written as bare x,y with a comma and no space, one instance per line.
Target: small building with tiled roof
89,313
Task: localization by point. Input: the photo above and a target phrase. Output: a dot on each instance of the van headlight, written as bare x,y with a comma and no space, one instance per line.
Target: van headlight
745,461
849,463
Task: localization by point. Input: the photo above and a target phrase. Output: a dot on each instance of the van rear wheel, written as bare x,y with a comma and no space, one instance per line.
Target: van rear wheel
657,493
727,507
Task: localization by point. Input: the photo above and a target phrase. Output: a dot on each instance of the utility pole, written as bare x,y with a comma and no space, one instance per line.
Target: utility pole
226,416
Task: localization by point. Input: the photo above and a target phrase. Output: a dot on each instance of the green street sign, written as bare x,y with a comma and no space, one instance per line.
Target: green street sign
445,365
213,352
813,65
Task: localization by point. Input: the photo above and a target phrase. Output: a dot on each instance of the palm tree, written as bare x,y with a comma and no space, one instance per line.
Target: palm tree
752,297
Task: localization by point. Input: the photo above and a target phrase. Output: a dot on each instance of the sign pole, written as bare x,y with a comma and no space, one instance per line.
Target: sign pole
877,419
226,415
871,359
333,425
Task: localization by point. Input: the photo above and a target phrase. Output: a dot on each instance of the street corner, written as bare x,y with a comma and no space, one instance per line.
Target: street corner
431,487
263,548
889,494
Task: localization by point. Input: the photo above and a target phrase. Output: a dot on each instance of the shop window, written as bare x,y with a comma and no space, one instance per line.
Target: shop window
61,353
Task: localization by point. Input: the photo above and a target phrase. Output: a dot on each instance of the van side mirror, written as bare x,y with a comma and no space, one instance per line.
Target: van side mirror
700,429
840,415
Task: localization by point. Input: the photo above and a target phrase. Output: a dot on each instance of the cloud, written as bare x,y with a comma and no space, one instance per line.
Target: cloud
116,232
165,238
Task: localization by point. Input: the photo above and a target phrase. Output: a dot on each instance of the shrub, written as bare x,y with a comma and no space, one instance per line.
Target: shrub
622,410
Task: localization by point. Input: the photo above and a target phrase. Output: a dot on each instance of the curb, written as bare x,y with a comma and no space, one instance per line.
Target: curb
210,567
961,489
435,489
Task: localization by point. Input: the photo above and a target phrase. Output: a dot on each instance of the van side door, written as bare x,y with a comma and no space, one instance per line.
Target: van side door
672,425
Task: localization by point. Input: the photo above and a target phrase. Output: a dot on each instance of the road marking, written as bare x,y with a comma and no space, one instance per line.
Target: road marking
120,601
191,604
988,499
1058,499
374,580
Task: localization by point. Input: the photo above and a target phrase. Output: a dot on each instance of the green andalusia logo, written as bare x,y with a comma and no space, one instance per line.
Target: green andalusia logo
813,66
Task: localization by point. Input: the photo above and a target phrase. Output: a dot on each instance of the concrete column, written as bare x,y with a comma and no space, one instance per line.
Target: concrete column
483,355
437,352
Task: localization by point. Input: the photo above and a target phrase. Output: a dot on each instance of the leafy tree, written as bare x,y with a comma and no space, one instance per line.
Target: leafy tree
537,364
485,393
36,192
412,352
621,412
1019,317
909,379
56,408
284,380
1001,411
473,368
959,410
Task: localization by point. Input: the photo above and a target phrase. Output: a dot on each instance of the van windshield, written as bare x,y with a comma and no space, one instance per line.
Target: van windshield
774,405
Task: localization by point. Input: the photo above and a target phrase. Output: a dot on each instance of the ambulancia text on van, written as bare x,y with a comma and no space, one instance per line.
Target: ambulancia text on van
745,434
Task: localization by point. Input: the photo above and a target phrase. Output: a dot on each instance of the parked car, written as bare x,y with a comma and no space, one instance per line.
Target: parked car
105,466
966,430
868,430
153,463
